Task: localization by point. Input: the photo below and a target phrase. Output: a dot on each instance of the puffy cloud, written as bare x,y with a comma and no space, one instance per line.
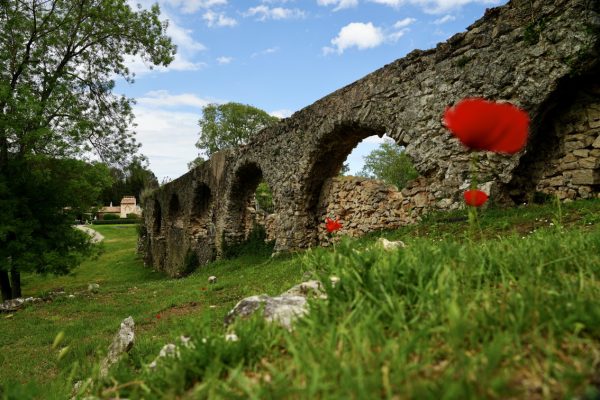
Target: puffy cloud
366,36
224,60
262,13
218,19
444,19
265,52
339,4
162,98
433,6
283,113
167,131
356,34
403,23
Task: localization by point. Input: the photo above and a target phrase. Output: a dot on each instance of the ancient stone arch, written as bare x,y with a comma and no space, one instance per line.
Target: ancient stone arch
539,55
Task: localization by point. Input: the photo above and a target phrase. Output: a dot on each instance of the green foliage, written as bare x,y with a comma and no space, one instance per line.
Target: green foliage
533,31
109,217
129,181
254,245
463,61
230,125
133,216
264,197
196,162
345,169
391,164
58,61
190,263
116,221
445,317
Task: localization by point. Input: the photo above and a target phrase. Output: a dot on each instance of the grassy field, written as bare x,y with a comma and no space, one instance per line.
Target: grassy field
509,312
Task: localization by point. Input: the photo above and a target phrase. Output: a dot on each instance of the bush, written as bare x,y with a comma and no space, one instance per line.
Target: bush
111,216
254,245
116,221
133,216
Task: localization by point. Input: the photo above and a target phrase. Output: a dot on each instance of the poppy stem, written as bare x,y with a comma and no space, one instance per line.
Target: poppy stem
472,210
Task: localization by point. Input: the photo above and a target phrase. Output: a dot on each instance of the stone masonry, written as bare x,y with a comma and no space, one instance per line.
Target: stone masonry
539,55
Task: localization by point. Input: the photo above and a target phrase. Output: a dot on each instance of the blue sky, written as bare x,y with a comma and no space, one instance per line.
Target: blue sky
277,55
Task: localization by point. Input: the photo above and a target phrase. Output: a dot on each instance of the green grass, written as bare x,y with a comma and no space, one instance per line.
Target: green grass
511,312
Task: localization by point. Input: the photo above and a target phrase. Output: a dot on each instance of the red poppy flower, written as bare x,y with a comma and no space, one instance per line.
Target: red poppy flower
475,198
332,225
157,316
485,125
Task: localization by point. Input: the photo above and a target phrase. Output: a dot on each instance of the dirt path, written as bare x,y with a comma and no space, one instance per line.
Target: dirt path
96,237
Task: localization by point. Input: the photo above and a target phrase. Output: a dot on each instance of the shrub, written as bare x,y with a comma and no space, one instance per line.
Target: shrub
111,216
133,216
116,221
255,245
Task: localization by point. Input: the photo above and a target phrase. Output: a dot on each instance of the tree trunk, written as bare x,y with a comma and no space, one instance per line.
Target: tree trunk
15,282
5,286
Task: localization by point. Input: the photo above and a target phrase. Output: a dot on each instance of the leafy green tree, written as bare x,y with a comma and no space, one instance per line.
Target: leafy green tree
196,162
58,61
129,181
230,125
389,163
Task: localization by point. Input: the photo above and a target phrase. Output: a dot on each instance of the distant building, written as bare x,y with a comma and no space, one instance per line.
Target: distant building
128,206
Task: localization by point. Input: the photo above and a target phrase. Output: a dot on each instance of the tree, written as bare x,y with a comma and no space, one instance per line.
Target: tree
389,163
230,125
128,181
196,162
58,61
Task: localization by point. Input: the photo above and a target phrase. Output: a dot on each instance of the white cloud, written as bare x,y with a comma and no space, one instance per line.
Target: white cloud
168,139
218,19
185,6
262,13
356,34
167,132
224,60
183,38
403,23
265,52
339,4
444,19
187,47
283,113
162,98
433,6
366,36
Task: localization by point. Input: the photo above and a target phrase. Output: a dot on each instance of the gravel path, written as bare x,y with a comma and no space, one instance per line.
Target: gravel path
96,237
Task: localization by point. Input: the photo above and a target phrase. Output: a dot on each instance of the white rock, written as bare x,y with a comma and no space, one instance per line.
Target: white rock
231,337
389,245
212,279
122,343
93,287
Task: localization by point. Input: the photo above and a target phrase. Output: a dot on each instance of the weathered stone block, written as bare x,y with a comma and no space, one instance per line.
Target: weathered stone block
596,143
581,153
585,177
589,163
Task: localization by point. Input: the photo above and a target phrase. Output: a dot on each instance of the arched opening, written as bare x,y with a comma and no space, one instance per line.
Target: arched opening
201,202
157,214
363,200
251,207
174,206
563,153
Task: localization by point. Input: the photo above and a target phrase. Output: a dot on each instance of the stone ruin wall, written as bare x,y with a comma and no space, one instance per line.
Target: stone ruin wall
551,77
572,170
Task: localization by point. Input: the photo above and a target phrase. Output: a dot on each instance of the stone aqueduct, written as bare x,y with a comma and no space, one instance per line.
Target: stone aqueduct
540,55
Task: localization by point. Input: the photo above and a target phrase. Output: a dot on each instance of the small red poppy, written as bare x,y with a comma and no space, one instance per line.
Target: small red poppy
475,198
484,125
157,316
332,225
